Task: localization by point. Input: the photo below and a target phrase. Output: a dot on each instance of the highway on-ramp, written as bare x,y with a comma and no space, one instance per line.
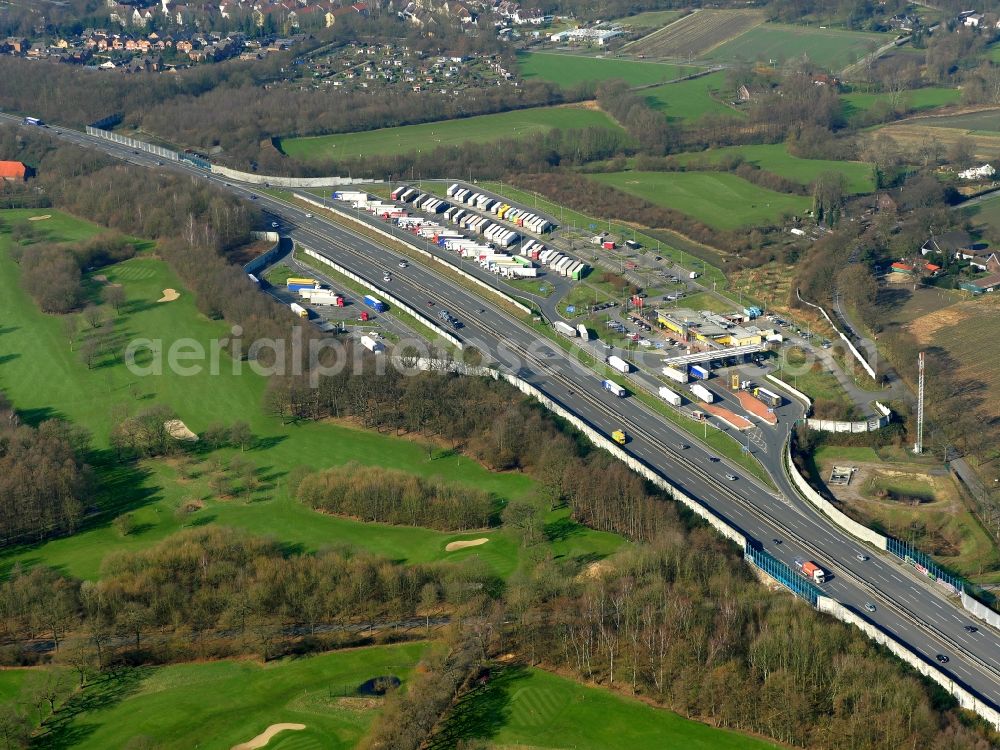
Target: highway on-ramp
913,611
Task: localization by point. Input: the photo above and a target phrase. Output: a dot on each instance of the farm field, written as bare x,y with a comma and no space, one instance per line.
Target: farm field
217,705
523,707
957,329
987,215
985,121
994,52
696,34
154,489
830,48
718,199
689,100
775,158
911,134
428,136
571,69
916,100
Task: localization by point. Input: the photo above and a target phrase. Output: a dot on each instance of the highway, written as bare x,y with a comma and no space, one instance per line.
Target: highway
913,610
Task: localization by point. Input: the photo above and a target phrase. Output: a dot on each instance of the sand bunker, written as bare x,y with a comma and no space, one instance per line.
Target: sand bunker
452,546
264,737
169,295
179,431
40,218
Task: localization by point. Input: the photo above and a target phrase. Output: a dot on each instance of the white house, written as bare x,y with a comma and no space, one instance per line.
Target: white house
978,173
973,19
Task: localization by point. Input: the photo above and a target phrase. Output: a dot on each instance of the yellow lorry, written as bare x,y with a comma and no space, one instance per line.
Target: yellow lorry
619,437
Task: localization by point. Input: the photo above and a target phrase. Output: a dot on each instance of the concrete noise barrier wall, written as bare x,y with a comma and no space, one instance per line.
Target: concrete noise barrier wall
268,256
493,290
387,296
966,699
829,510
292,182
163,153
980,610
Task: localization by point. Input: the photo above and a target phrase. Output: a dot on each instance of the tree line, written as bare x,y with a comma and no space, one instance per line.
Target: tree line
44,478
377,495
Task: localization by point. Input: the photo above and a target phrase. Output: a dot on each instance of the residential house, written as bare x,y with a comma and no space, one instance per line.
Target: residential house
978,173
989,283
947,244
980,257
973,20
14,171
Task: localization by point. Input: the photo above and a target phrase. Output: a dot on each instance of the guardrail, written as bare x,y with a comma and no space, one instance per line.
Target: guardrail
386,295
493,290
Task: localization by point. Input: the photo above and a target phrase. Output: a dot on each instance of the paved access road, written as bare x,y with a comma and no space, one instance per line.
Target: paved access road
913,611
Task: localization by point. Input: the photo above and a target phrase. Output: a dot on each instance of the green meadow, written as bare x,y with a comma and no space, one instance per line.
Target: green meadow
428,136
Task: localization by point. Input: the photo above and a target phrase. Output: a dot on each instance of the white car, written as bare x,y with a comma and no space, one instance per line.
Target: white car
309,216
402,264
274,224
731,477
387,277
870,607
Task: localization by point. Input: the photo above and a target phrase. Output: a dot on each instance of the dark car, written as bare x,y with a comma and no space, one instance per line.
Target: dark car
971,629
942,658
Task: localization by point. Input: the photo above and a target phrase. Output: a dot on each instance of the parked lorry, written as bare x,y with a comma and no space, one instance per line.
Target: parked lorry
294,284
670,396
810,570
565,329
583,331
328,299
299,310
613,387
693,275
619,364
770,398
619,437
375,304
703,393
674,374
372,345
701,373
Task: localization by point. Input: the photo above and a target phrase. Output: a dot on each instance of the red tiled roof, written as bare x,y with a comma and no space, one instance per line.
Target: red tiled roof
12,169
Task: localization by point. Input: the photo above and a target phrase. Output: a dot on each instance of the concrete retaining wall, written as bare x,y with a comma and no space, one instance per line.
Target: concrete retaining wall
795,392
293,182
836,515
268,257
832,425
857,355
493,290
980,610
966,699
386,296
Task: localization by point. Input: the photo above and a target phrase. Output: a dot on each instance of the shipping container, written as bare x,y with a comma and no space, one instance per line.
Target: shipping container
398,192
565,329
702,393
674,374
583,331
372,345
375,304
578,271
608,245
452,189
619,364
299,310
671,397
770,398
701,373
613,387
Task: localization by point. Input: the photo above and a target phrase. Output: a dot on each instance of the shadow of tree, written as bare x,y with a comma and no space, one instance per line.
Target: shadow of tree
483,711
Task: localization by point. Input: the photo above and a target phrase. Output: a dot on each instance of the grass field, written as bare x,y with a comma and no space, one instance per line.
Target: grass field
689,100
994,52
569,70
915,100
718,199
35,343
775,158
987,215
428,136
696,34
830,48
652,19
985,121
217,705
530,708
